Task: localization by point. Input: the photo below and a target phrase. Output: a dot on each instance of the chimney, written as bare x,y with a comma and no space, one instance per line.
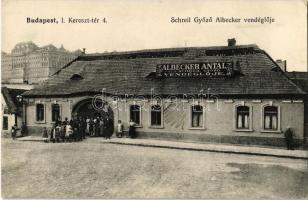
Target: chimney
231,42
84,50
282,64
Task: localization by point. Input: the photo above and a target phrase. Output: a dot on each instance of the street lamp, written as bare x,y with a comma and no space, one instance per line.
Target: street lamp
24,130
19,98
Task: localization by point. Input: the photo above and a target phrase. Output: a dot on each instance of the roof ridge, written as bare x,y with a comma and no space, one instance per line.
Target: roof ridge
284,74
174,49
128,74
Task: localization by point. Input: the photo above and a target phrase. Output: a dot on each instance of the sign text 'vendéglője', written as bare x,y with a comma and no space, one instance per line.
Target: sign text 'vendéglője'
205,69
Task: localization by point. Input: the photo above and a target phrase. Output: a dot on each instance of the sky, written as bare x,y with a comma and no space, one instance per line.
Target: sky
145,24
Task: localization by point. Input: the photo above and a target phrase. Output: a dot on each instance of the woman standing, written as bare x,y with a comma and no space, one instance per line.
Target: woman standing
132,129
101,127
91,127
97,126
88,126
69,132
53,134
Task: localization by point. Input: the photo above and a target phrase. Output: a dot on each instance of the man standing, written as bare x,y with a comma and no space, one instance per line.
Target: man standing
14,131
288,134
24,130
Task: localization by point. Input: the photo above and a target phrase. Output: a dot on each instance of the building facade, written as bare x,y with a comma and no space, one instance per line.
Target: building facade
301,79
11,109
235,94
28,63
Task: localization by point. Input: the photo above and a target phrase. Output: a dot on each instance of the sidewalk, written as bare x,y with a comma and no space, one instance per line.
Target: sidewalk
210,147
31,138
223,148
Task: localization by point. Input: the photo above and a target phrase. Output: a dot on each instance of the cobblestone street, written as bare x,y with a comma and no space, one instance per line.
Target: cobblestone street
91,169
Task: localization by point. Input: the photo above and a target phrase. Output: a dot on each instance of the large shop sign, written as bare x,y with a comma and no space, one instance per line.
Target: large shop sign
205,69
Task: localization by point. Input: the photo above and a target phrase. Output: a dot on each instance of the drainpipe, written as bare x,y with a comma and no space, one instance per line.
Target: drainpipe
24,107
15,119
306,96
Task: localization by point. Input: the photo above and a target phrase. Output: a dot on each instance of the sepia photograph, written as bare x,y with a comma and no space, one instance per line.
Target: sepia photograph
163,99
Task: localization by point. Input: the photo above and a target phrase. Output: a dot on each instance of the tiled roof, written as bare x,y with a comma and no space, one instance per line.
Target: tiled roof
297,75
9,96
303,84
128,73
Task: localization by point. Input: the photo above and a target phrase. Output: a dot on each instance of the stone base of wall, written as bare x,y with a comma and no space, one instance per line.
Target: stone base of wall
207,138
6,134
36,130
199,138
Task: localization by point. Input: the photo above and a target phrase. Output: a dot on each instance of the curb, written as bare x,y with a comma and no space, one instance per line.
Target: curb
30,140
179,146
209,150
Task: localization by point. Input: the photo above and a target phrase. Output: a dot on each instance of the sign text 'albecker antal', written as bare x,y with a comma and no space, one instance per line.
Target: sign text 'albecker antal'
205,69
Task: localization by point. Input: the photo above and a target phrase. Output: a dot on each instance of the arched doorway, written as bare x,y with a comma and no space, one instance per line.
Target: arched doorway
101,109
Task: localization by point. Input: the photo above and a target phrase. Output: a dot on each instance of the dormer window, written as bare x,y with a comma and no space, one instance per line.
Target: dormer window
76,77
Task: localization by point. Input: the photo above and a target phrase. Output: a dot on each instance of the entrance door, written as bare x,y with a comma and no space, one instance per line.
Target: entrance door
86,109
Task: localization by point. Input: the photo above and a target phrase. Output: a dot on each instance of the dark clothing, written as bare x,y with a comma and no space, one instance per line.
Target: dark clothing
83,128
55,134
102,128
132,132
288,134
24,130
108,128
75,130
80,131
45,133
91,127
14,132
96,128
62,132
58,133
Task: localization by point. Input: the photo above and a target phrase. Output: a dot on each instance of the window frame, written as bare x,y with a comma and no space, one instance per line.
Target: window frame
161,117
191,127
7,122
278,130
140,114
250,121
5,110
44,120
60,111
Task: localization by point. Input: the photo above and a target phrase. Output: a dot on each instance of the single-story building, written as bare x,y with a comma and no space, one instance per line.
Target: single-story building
11,109
301,79
234,93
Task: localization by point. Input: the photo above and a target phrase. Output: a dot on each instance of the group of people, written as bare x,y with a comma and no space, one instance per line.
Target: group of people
78,128
131,131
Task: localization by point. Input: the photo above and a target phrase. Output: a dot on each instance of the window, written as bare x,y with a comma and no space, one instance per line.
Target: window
6,110
156,115
76,77
270,118
197,116
40,112
55,112
5,123
242,117
135,114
